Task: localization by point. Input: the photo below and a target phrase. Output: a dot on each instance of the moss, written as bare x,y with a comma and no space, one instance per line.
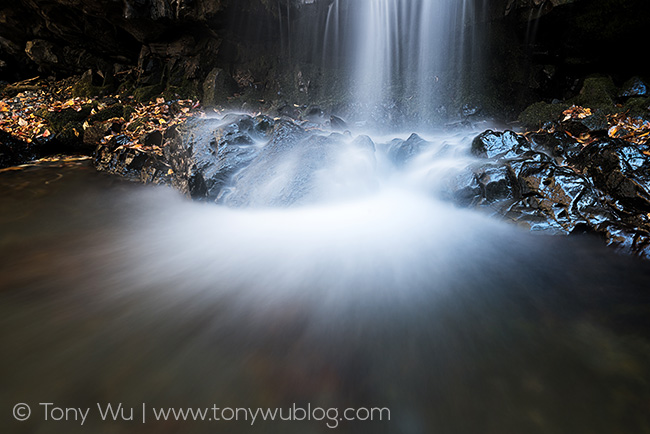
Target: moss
58,120
638,107
187,90
137,123
540,113
71,135
597,93
125,88
114,111
85,89
147,93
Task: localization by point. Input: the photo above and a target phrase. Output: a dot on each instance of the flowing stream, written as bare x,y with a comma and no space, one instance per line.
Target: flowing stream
332,275
389,298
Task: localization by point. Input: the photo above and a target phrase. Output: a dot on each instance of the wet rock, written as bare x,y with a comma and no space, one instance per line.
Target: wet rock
289,111
602,189
315,114
198,158
463,188
596,123
621,169
402,151
364,142
508,144
338,124
558,145
559,194
281,158
218,149
262,127
496,183
627,238
14,151
634,87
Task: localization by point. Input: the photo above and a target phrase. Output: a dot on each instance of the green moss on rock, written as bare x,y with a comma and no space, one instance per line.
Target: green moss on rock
147,93
638,107
84,89
114,111
540,113
58,120
187,90
597,93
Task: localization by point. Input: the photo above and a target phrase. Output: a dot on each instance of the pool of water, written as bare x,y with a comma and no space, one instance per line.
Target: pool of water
112,292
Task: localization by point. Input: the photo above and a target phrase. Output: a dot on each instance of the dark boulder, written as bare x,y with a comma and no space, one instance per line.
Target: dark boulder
338,124
559,145
218,149
463,188
14,151
199,158
497,182
508,144
564,197
597,123
634,87
562,187
620,169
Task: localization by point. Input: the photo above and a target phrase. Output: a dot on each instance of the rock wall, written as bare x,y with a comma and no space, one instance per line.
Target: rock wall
164,44
216,49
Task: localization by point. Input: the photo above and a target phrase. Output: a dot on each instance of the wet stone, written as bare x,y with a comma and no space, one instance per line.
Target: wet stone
620,169
558,145
497,183
508,144
402,151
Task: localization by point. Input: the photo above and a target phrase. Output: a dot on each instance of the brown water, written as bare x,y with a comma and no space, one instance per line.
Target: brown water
113,292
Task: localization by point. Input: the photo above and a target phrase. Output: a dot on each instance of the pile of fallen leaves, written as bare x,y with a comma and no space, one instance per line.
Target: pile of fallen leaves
18,118
576,112
634,130
619,126
19,114
148,118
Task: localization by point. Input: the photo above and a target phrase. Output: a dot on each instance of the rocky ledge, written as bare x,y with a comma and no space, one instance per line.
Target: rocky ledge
586,172
546,181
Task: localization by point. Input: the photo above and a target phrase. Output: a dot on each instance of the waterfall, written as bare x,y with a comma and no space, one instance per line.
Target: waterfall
414,59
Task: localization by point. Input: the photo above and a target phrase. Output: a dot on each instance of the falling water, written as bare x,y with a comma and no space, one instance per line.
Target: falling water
411,58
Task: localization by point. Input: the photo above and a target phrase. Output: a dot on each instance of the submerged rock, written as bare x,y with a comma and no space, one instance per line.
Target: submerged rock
402,151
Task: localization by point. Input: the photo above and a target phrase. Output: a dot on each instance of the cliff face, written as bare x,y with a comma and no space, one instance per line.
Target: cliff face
62,37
